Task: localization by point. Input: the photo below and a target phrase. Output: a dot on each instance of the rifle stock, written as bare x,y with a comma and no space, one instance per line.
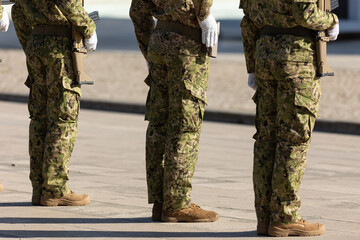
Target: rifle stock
78,55
79,52
323,69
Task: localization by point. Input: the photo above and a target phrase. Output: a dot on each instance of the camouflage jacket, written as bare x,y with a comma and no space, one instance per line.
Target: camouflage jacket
28,13
281,14
1,11
183,11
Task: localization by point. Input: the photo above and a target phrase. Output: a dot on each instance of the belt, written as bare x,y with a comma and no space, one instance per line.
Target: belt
295,31
52,30
179,28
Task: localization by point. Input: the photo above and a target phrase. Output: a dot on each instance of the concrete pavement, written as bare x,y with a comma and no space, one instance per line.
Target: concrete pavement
108,164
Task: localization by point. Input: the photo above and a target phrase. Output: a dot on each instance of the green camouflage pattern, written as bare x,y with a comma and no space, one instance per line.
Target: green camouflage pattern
183,11
175,107
1,11
47,12
287,101
178,76
54,99
54,104
282,14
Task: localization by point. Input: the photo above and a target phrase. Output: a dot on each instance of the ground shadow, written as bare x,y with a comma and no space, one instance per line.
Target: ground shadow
16,204
15,220
122,234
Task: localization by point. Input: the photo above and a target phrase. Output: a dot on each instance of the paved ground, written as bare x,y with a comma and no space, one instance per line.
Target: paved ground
108,164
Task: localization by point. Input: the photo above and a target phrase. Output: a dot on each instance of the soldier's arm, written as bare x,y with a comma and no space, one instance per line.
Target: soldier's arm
308,15
1,11
202,8
75,13
140,14
250,34
23,31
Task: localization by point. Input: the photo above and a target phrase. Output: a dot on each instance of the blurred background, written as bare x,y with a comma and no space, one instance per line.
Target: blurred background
119,69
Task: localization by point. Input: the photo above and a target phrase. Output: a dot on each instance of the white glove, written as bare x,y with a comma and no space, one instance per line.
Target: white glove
252,81
209,31
90,43
4,22
333,33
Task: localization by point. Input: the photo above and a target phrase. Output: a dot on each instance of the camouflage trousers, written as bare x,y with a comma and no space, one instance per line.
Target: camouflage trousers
174,108
54,104
287,102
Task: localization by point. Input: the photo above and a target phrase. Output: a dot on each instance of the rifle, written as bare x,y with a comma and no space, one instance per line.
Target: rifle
79,52
323,69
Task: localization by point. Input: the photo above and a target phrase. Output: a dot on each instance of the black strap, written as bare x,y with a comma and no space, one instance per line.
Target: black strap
179,28
295,31
52,30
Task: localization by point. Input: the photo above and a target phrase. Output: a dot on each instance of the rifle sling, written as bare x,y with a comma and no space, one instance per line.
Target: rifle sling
295,31
52,30
179,28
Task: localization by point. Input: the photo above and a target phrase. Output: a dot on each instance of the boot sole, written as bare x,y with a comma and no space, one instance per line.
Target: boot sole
156,219
55,203
279,232
175,219
262,230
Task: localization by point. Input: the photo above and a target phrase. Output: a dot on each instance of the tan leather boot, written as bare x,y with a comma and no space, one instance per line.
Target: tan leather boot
262,228
300,228
1,187
157,212
71,199
192,214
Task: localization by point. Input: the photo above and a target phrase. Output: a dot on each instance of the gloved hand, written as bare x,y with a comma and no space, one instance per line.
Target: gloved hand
252,81
90,43
209,31
4,22
334,32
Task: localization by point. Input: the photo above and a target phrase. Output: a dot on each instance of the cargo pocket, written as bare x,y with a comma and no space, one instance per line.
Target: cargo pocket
192,114
69,106
310,102
68,75
307,105
196,76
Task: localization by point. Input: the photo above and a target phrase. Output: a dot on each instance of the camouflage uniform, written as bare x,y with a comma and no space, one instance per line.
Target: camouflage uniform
178,76
54,99
287,100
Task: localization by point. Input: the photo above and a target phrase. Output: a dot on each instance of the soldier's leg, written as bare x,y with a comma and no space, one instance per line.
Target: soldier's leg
38,123
62,114
157,107
298,100
186,109
265,144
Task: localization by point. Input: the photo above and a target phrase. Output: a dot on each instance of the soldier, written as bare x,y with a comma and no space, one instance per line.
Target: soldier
278,38
44,31
178,74
4,26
